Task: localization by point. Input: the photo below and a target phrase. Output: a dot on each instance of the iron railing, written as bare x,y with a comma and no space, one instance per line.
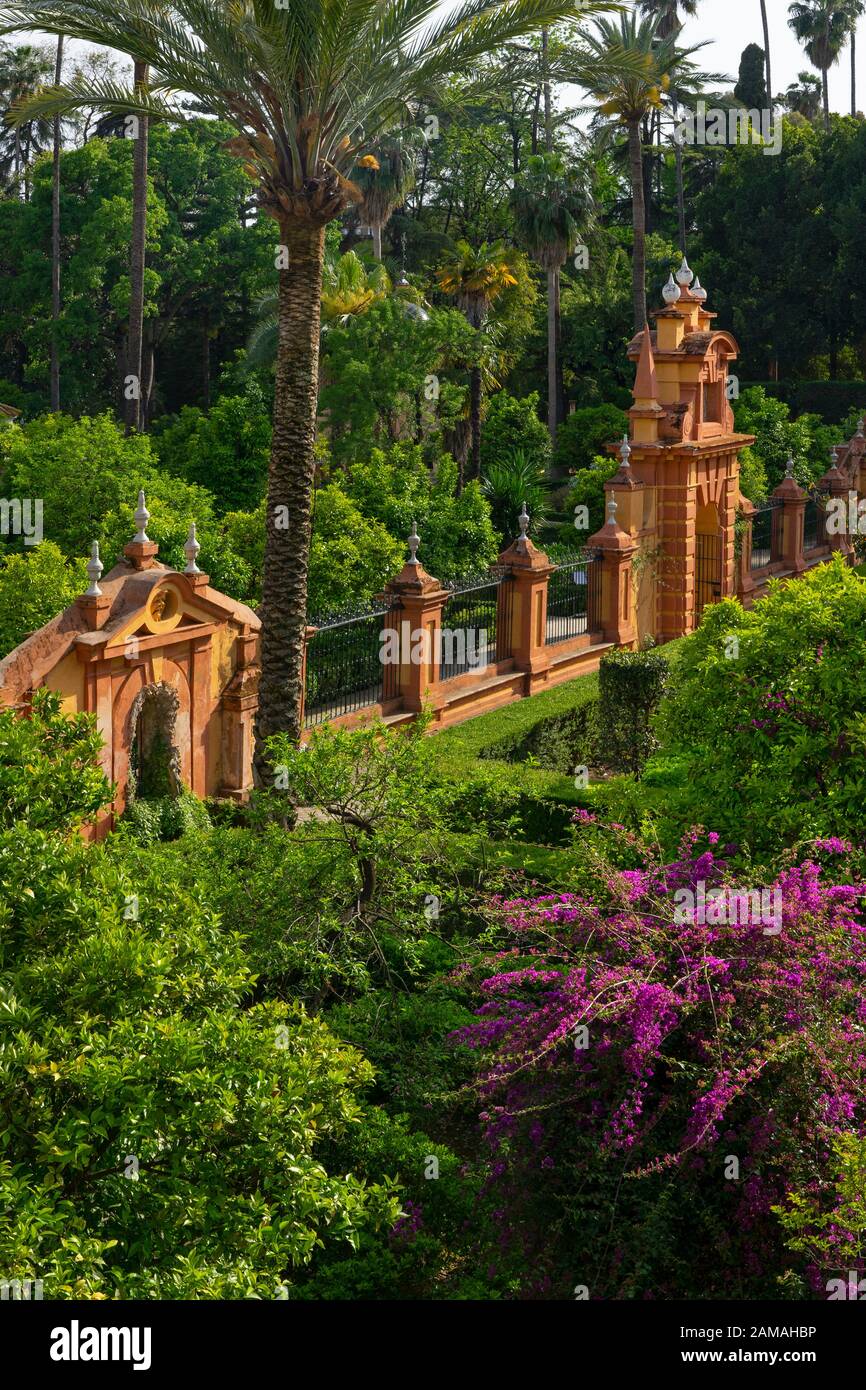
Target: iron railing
345,670
766,534
814,523
476,625
573,594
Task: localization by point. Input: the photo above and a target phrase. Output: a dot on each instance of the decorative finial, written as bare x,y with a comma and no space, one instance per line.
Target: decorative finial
611,511
625,451
698,291
860,426
142,517
671,291
684,275
190,550
523,523
94,570
414,542
789,467
834,454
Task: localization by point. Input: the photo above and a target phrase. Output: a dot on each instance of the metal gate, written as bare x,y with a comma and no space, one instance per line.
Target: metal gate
708,572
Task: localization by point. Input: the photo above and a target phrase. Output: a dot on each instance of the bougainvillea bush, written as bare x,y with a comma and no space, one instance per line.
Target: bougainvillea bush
666,1078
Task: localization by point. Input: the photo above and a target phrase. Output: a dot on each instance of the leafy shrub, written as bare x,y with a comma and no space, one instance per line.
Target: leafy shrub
807,439
631,685
587,490
149,820
583,435
560,741
50,778
509,484
225,450
34,588
513,423
768,712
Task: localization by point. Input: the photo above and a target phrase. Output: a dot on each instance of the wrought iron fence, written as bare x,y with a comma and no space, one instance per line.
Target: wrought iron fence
476,625
345,670
766,534
814,528
573,593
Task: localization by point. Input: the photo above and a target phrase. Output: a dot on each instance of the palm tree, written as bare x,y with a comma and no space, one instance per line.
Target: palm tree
385,176
628,96
666,13
475,279
348,289
23,71
309,89
55,242
803,96
822,27
550,202
855,13
766,29
137,253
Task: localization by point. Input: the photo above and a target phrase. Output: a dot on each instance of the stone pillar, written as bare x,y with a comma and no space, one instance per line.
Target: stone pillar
793,500
530,571
617,610
239,704
836,486
415,622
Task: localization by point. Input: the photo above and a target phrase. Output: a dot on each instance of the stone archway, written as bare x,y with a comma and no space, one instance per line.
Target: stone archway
154,755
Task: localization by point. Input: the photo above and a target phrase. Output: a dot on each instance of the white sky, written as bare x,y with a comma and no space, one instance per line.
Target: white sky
729,25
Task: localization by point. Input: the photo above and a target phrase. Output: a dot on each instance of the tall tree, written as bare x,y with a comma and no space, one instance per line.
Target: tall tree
855,13
55,241
475,278
23,70
751,88
804,95
766,28
550,203
625,95
137,389
309,89
822,27
667,14
386,176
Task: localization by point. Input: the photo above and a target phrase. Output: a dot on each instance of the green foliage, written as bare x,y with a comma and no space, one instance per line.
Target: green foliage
778,689
587,490
583,435
351,556
751,88
510,424
49,775
630,687
396,488
511,483
778,437
151,819
225,450
34,587
754,482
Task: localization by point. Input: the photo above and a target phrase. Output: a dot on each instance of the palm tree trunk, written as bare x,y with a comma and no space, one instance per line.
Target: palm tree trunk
136,259
475,421
288,523
552,380
767,54
853,67
681,194
55,243
377,241
825,84
638,217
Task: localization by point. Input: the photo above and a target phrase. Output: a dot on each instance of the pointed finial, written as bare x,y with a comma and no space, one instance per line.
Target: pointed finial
671,291
414,542
698,291
684,275
142,517
94,570
789,467
190,550
625,451
523,523
860,426
611,511
835,449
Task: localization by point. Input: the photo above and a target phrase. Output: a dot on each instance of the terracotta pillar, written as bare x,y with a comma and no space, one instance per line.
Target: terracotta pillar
617,609
415,623
530,571
793,500
836,485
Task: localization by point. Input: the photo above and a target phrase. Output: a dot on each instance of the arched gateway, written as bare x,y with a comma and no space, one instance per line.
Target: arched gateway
167,664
